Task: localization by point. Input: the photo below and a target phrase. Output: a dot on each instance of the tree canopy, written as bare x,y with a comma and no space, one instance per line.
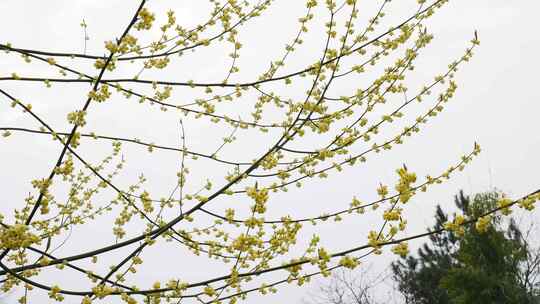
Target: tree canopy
489,263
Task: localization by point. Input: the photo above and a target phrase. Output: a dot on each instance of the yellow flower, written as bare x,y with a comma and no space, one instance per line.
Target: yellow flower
404,184
482,224
348,262
17,236
260,196
401,249
456,225
77,118
504,203
209,291
373,241
382,191
54,293
392,215
528,203
145,20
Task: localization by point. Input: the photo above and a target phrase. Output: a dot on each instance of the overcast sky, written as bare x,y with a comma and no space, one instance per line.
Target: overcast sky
496,105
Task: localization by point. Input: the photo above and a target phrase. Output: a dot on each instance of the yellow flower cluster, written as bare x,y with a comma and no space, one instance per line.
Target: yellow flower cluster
349,262
392,215
401,249
504,203
77,118
323,259
66,168
128,299
102,291
229,215
482,223
158,63
100,95
209,291
260,196
456,225
177,286
270,161
147,202
404,185
100,64
17,236
128,43
42,184
75,140
382,191
146,19
244,242
54,293
528,202
375,242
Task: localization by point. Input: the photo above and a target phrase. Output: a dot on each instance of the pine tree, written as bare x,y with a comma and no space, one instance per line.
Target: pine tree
478,267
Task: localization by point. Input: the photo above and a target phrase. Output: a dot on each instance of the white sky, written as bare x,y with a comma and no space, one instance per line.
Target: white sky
496,105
